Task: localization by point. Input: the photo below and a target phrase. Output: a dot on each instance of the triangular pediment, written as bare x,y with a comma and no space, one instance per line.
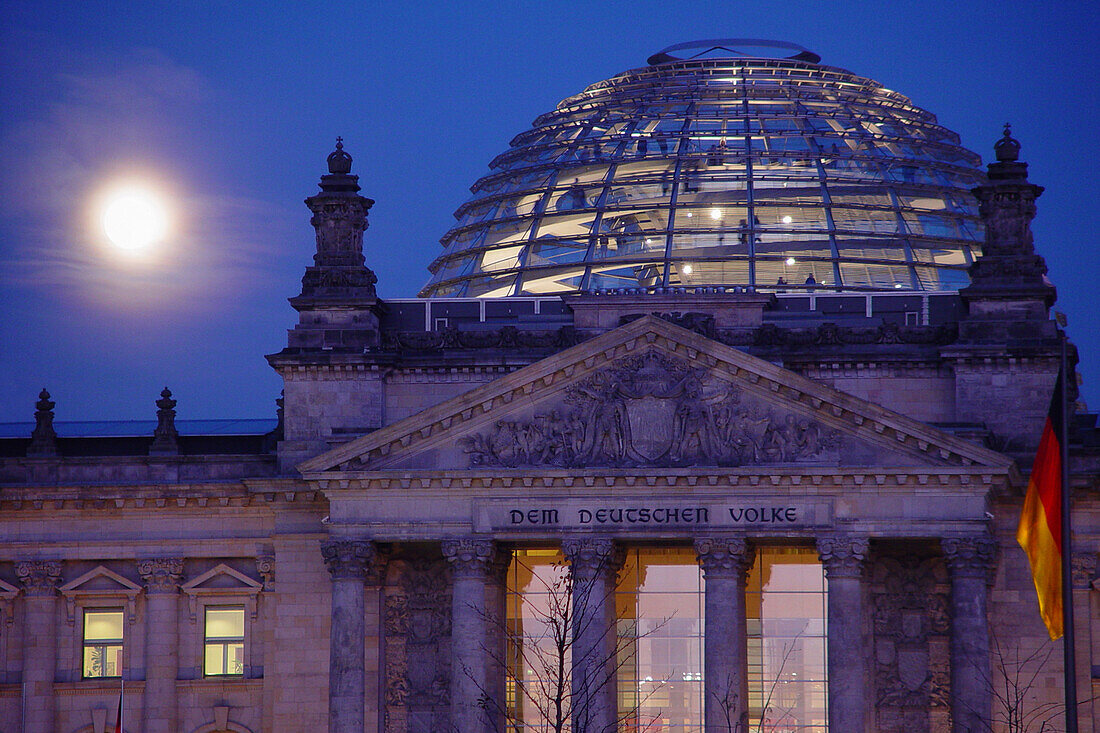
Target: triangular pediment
7,590
100,580
221,577
652,394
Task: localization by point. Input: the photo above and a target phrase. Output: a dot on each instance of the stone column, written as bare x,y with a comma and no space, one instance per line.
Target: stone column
843,558
349,562
969,561
161,577
473,666
593,567
39,580
726,562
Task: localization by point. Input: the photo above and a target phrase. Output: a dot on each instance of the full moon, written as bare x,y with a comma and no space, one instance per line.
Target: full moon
134,218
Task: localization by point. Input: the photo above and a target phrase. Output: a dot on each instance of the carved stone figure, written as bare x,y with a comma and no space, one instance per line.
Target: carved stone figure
651,410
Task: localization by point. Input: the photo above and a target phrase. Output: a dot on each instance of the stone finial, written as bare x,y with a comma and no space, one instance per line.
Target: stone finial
43,437
339,162
165,436
842,555
1007,149
161,574
39,577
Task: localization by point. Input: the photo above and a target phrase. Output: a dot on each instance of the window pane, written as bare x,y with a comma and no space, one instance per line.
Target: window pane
214,659
102,661
224,623
103,625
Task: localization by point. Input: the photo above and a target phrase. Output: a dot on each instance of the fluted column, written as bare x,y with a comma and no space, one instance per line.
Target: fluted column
161,577
843,558
593,566
969,561
39,580
349,563
473,670
726,562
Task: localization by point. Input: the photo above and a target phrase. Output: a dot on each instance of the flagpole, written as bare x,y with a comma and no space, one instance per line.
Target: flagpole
1068,645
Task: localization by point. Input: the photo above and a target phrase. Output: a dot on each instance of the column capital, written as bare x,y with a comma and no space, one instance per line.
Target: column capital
350,559
969,556
1082,569
842,555
590,556
724,556
161,574
470,557
39,577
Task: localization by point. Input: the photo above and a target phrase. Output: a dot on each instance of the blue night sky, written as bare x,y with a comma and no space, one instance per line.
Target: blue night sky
232,107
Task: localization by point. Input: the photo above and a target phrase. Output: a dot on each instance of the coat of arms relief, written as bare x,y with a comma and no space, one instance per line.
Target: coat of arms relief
652,410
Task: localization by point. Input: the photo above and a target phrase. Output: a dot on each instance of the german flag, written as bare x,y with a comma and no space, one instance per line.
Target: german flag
1040,529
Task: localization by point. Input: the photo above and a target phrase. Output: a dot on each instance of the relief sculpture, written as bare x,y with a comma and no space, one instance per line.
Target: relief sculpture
651,410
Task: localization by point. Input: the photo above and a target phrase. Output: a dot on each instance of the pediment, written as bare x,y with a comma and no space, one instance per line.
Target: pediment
221,578
101,581
651,394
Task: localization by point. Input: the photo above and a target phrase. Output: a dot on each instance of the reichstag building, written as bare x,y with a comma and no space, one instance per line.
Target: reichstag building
715,413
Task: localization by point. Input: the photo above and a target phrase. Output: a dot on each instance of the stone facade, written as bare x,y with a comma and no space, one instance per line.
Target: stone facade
367,547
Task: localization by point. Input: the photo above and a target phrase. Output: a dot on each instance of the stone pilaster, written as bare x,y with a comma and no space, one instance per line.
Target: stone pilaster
726,563
349,562
473,675
969,562
843,558
39,579
593,567
161,577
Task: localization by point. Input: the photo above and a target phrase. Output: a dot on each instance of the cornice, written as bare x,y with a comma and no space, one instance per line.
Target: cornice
249,493
824,478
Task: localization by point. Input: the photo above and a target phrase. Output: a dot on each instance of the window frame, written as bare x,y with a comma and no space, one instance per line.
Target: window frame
105,644
223,641
221,586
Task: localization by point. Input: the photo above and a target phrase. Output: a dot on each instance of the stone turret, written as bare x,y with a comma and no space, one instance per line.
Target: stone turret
328,397
1008,351
338,303
1009,295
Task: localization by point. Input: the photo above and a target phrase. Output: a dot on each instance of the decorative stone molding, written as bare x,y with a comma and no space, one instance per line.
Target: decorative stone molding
104,585
232,587
469,557
972,557
349,559
1082,570
589,557
39,577
265,566
8,592
724,556
161,575
842,555
653,410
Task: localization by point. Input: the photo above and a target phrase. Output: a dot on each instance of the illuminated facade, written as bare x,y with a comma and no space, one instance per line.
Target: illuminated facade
626,497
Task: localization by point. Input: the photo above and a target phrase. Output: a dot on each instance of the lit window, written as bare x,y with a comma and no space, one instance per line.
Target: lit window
224,634
102,642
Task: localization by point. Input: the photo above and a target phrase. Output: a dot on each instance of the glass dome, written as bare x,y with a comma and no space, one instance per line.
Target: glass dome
731,167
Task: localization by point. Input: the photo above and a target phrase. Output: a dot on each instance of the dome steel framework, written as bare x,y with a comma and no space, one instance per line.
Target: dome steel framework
726,169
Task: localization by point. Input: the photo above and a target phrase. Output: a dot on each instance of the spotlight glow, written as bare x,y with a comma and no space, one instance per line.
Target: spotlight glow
715,214
134,218
788,219
790,261
687,269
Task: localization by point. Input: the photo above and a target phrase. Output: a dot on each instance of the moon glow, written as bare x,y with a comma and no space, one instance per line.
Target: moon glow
134,218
